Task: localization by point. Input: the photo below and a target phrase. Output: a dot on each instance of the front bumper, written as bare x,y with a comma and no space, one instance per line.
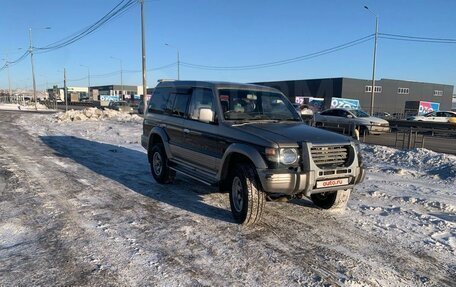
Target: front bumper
379,129
294,182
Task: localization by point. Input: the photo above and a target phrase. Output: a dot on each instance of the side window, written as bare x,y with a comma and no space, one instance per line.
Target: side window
343,113
328,113
180,104
201,98
159,100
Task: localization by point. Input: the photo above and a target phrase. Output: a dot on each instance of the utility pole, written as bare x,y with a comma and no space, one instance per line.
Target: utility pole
33,68
143,57
9,76
121,75
65,91
374,61
88,81
178,60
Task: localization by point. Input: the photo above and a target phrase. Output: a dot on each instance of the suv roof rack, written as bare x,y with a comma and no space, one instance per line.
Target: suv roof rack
165,80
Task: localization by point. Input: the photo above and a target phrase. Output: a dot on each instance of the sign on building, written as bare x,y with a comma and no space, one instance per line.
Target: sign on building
350,104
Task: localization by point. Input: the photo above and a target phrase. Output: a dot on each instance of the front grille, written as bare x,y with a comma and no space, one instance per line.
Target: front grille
330,156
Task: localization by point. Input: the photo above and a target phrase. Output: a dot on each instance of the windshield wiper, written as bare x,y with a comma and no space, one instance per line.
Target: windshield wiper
249,122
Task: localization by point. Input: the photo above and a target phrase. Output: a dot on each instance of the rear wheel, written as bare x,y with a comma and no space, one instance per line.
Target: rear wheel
334,200
159,165
246,197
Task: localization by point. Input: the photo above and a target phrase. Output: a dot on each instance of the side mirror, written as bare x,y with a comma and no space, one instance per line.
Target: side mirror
350,116
206,115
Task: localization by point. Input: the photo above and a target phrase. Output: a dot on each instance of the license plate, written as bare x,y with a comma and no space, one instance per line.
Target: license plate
332,182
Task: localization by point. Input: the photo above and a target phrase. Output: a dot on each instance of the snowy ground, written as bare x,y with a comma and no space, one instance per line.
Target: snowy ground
17,107
78,207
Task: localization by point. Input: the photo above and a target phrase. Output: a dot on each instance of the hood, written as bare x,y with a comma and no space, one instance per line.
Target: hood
373,120
291,133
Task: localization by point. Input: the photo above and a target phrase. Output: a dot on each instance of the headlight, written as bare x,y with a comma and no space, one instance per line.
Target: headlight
288,155
285,156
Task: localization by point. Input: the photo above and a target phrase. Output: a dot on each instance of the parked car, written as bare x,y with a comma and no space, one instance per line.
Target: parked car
383,115
248,140
120,106
441,117
141,107
350,119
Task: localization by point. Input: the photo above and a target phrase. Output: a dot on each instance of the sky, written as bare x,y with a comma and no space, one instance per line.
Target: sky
227,33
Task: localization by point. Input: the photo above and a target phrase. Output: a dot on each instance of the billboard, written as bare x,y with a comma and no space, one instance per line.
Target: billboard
108,98
427,107
316,104
350,104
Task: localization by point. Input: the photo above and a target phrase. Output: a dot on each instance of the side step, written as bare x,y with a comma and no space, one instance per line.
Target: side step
195,174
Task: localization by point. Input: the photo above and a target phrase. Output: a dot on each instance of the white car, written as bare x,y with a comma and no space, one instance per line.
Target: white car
350,119
440,117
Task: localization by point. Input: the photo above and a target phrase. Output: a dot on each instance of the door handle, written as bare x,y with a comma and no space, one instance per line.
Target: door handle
187,131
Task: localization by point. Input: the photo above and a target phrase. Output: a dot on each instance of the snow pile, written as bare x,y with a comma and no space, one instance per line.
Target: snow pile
17,107
432,163
95,114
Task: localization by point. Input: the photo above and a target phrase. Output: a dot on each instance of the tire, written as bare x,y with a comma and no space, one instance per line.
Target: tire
336,200
159,165
247,199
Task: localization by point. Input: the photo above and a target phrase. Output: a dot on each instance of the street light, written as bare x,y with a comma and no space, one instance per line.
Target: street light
178,60
33,68
374,61
88,77
121,76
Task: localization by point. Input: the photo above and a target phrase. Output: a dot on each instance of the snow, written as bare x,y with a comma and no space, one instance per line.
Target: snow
16,107
85,187
417,161
95,114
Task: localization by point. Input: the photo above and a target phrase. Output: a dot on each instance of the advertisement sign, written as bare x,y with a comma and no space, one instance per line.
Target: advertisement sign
108,98
350,104
427,107
316,104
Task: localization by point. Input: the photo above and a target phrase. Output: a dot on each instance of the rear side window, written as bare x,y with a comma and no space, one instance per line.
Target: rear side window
328,113
159,101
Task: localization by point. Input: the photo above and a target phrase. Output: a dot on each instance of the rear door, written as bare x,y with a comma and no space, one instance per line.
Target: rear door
165,111
201,138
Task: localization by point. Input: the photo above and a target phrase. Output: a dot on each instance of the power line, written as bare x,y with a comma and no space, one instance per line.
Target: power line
116,11
417,40
114,73
445,40
285,61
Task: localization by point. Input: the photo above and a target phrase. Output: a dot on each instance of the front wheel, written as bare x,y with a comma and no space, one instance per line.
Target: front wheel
334,200
159,165
247,200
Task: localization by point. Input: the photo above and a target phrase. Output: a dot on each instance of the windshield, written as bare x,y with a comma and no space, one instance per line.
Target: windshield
250,105
359,113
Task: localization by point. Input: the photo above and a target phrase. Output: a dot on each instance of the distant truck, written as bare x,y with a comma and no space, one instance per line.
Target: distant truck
419,108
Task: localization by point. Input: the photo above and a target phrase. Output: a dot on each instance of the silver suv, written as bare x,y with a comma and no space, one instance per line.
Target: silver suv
247,140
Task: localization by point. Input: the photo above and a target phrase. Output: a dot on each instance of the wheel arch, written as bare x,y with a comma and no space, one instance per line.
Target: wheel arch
158,135
240,153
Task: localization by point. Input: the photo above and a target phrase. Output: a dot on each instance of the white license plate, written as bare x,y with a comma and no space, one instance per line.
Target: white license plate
332,182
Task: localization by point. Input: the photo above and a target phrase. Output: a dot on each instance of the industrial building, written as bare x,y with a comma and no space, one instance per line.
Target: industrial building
390,95
115,92
75,94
